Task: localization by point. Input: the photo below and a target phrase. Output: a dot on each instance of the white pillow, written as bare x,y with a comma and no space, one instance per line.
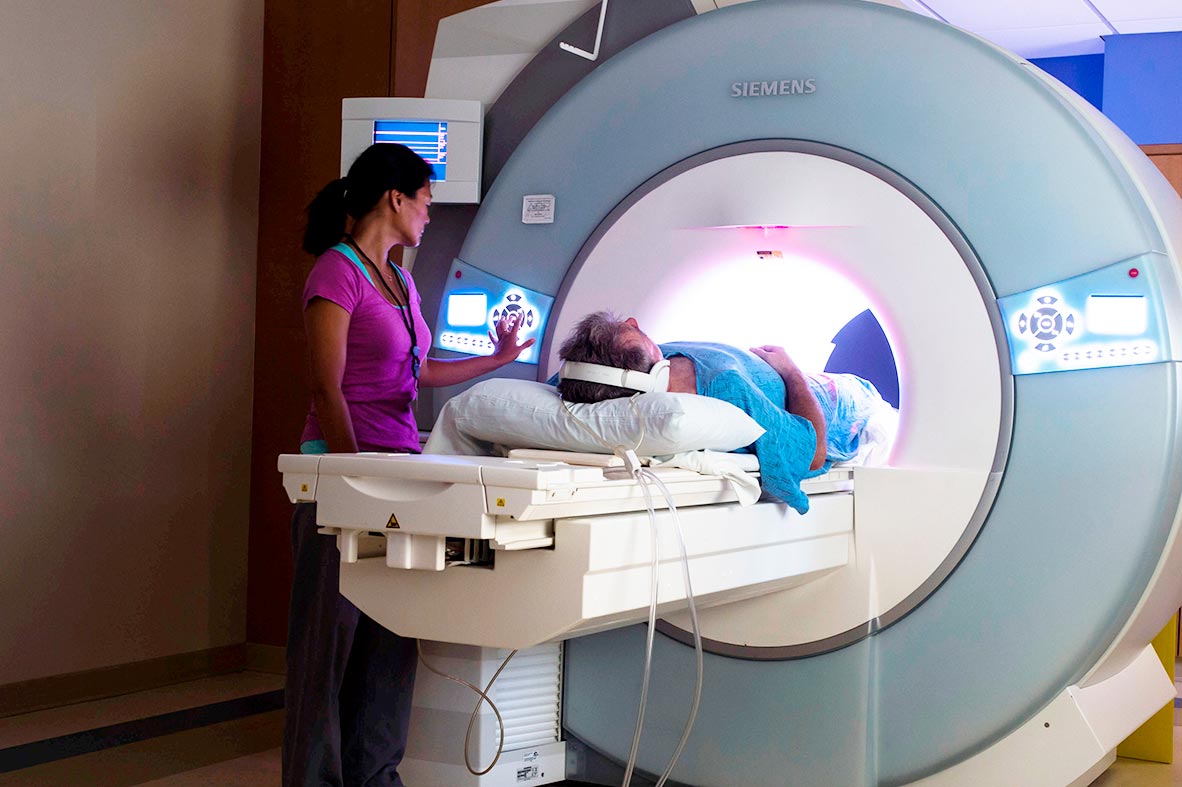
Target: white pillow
526,414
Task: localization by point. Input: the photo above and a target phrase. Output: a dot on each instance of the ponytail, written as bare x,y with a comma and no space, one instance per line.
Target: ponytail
326,218
379,168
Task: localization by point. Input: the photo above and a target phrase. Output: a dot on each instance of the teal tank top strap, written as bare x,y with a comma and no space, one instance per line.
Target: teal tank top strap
402,275
347,250
314,447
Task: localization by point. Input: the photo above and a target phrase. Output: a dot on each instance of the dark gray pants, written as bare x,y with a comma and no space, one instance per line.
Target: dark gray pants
349,681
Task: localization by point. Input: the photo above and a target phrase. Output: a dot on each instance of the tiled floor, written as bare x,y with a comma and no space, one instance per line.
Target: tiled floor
243,752
1137,773
263,769
254,769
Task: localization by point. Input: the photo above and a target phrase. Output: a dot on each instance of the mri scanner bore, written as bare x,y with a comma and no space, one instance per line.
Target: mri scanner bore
856,229
976,611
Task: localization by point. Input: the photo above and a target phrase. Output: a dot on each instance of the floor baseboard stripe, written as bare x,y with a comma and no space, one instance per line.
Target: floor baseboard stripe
40,752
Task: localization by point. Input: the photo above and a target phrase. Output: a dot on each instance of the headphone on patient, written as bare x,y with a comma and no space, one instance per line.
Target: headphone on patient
654,380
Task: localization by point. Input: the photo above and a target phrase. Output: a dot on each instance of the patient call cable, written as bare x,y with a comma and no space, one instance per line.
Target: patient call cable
476,711
645,478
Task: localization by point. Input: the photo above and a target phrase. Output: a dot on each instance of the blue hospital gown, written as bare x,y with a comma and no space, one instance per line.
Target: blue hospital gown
786,449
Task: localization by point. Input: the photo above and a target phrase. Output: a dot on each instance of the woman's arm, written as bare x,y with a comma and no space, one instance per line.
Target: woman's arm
327,327
439,372
800,400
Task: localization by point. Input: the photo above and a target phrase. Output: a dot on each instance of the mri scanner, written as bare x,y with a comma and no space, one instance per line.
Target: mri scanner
975,612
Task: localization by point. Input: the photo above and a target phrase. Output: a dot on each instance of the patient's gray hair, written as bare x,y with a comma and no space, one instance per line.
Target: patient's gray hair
597,339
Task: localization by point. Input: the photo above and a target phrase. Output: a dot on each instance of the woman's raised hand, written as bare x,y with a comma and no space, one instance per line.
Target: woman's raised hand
506,346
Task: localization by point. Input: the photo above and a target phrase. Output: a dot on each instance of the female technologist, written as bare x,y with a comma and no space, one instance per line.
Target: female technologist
349,681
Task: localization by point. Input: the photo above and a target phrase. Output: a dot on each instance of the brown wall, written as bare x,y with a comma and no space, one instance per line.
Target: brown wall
129,140
1168,159
315,52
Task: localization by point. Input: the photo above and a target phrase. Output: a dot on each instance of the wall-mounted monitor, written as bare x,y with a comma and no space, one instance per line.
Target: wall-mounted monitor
448,133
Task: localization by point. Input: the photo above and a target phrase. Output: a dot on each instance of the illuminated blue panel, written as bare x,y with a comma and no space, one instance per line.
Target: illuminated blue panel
428,138
1109,317
473,301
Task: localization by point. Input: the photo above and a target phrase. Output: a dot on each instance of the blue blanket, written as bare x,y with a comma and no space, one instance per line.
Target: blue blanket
847,402
786,449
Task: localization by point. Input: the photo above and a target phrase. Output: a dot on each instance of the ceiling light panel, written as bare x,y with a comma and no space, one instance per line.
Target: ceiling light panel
1015,14
1167,25
1062,41
1127,10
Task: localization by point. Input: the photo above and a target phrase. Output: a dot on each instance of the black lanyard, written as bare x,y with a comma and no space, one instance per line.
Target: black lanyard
407,317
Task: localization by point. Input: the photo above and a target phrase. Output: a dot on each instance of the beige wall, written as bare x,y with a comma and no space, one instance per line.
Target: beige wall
129,158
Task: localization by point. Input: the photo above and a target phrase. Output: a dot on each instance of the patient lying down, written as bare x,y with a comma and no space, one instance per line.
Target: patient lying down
811,420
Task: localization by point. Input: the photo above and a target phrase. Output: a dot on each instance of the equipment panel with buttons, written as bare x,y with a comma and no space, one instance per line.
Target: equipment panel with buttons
1109,317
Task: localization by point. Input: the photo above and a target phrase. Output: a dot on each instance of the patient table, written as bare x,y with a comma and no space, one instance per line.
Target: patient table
510,553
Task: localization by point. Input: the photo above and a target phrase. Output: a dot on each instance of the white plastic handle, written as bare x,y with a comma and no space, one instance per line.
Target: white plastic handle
593,54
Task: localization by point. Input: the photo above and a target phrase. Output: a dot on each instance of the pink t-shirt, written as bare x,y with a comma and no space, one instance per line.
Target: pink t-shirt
377,383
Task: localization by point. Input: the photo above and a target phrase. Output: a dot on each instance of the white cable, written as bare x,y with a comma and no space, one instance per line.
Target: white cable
644,478
476,711
652,624
693,612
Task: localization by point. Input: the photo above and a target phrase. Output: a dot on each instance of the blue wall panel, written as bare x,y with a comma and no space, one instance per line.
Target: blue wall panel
1082,73
1143,86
